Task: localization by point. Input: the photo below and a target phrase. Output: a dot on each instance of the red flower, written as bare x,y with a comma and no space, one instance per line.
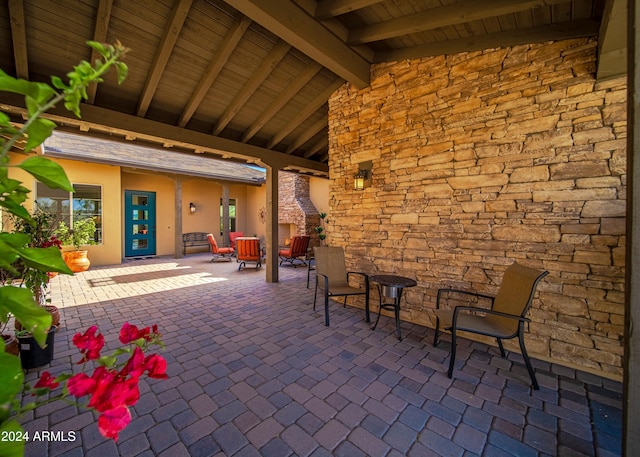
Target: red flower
135,365
113,390
80,385
46,380
130,333
89,344
111,422
156,366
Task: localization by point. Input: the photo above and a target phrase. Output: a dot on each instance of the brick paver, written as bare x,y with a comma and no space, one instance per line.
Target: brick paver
254,371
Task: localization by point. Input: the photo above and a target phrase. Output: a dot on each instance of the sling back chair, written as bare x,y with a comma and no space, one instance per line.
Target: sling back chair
503,320
332,278
219,253
297,250
248,251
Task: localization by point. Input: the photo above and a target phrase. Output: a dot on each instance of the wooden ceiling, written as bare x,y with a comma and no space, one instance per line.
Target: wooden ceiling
249,79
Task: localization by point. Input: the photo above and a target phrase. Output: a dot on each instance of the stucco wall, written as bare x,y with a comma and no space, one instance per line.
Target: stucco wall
484,159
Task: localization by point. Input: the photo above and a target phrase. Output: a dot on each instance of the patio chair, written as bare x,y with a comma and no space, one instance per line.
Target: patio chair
503,320
248,251
297,251
332,278
219,253
233,236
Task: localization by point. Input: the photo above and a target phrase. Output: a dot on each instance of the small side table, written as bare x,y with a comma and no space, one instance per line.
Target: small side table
391,286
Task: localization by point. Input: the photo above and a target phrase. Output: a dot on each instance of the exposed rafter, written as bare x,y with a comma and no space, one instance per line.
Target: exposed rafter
303,78
307,135
275,56
326,9
291,23
100,35
178,16
441,17
19,37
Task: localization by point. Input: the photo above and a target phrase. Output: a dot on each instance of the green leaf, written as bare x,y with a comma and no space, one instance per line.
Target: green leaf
11,448
40,92
11,377
38,131
47,172
19,301
122,70
45,259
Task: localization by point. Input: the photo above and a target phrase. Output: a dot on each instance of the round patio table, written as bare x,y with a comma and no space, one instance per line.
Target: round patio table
391,286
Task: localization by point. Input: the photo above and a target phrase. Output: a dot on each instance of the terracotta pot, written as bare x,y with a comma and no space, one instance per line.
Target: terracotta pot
77,261
11,344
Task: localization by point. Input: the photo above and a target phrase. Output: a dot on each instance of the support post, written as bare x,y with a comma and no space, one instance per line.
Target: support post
178,218
272,223
225,215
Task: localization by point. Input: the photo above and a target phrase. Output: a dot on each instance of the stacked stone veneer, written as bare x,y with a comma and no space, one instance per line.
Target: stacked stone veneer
487,158
295,206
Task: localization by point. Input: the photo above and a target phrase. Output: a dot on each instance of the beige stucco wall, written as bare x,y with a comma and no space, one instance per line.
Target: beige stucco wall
487,158
106,176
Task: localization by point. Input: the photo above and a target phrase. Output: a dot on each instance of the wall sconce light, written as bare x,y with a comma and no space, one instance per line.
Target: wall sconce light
192,208
362,178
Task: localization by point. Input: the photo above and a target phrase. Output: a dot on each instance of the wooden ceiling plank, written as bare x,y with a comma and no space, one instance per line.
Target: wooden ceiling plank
171,33
218,61
441,17
307,135
326,9
502,39
612,41
19,38
291,23
103,17
318,146
311,108
292,89
275,56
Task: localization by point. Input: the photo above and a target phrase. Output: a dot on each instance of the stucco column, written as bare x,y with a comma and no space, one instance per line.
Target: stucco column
225,215
272,223
631,404
178,217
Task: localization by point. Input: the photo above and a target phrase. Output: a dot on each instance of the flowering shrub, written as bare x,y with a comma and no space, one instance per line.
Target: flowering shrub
113,386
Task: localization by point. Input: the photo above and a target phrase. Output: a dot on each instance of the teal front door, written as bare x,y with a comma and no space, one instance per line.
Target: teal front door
139,223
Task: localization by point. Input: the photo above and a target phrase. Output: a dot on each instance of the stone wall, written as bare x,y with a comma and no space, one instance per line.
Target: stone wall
487,158
295,206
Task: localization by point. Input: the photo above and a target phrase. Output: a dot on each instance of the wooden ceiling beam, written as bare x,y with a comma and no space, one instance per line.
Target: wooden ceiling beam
307,135
433,18
292,89
100,35
268,64
142,129
19,38
287,20
311,108
218,61
612,40
326,9
171,33
562,31
319,145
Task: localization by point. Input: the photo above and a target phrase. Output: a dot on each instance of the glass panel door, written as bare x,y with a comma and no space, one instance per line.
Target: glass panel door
140,223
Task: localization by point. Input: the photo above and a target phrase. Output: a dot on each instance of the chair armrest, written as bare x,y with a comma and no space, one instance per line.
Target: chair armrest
364,275
464,292
457,310
326,280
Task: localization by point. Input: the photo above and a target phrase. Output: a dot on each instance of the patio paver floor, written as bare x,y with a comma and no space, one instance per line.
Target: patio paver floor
254,372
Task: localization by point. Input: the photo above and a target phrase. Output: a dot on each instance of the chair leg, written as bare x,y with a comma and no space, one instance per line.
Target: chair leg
437,333
502,353
315,295
527,362
326,308
344,304
452,361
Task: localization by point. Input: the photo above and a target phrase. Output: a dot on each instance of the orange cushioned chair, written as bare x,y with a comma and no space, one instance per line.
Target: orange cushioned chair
297,250
248,251
233,236
219,253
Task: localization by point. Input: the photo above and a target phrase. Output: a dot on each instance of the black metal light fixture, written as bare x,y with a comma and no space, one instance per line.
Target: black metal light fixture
362,178
192,207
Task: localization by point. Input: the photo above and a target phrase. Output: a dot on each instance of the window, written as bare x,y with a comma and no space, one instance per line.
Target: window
232,216
85,202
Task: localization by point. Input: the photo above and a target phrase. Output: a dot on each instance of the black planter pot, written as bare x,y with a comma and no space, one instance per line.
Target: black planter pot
34,356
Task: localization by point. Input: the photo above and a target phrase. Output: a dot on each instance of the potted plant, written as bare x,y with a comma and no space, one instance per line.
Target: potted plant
82,233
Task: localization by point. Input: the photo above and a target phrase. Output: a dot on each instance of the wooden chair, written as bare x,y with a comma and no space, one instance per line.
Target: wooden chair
332,278
248,251
503,320
297,250
219,253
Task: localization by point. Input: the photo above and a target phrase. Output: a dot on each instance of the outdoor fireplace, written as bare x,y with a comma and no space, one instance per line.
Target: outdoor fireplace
297,215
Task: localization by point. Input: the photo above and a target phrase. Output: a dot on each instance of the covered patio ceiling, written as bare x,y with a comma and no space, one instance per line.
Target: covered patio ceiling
249,80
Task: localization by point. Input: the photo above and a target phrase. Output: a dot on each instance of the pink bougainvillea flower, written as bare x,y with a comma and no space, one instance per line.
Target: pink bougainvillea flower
135,366
130,333
112,390
113,421
80,385
90,344
46,380
156,366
